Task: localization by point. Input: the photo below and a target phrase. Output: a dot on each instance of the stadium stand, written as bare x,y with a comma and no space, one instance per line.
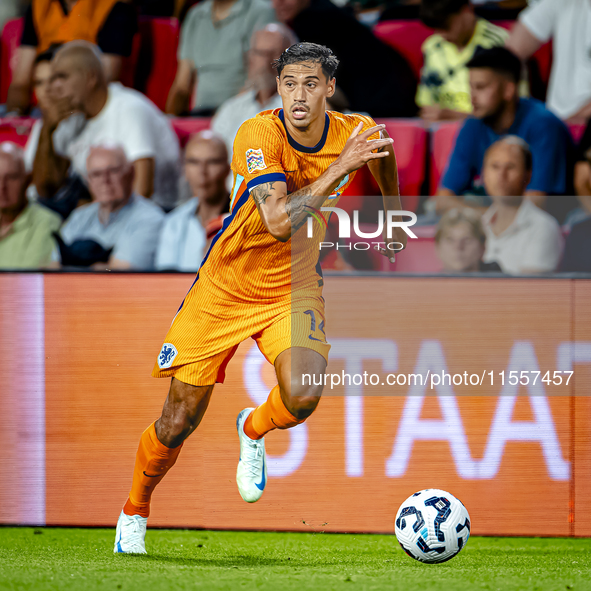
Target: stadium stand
150,68
407,36
9,42
16,130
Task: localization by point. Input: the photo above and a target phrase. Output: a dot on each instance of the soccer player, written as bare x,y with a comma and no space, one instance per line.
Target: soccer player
261,278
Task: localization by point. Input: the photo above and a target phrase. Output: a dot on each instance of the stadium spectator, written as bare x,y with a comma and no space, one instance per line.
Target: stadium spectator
567,23
120,229
188,230
577,250
373,77
214,39
583,178
498,111
444,89
26,229
73,191
266,45
90,111
460,241
520,237
40,82
110,24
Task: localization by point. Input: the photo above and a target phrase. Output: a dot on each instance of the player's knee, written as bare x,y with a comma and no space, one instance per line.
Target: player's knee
303,406
174,429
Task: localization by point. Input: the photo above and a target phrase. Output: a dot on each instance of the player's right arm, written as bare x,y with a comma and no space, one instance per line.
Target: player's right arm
283,214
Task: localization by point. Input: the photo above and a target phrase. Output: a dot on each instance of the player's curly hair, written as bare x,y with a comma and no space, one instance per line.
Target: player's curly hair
308,52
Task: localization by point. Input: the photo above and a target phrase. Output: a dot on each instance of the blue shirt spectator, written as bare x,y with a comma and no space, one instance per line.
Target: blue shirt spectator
548,137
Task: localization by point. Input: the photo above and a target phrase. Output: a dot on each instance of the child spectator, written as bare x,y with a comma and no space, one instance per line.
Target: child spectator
460,241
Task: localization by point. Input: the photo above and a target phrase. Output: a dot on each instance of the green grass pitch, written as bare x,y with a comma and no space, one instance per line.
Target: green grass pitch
63,559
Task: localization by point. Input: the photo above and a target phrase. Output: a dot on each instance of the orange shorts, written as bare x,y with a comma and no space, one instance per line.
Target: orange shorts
209,326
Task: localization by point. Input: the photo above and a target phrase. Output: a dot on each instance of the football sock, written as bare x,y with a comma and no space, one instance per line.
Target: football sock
152,461
270,415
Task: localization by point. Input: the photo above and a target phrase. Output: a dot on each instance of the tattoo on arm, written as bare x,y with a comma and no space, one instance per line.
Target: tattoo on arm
261,193
295,206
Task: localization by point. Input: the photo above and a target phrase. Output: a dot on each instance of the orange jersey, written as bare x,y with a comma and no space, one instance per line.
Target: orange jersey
244,259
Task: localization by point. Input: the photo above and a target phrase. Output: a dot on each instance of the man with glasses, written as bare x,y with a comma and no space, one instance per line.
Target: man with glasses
119,229
189,229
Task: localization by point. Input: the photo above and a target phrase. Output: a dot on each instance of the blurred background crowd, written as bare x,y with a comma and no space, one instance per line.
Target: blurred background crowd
118,119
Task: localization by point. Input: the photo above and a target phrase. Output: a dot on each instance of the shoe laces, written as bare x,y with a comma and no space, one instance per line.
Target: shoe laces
254,450
134,530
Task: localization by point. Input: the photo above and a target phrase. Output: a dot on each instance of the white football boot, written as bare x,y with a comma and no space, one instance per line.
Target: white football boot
130,537
251,475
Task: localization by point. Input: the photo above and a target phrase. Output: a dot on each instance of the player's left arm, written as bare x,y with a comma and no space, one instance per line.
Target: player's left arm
385,171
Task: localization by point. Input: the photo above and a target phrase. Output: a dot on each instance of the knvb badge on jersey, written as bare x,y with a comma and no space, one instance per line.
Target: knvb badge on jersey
393,219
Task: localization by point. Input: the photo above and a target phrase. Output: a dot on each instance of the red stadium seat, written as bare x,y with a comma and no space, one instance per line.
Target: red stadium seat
406,37
157,60
410,144
16,130
442,143
9,42
419,256
186,127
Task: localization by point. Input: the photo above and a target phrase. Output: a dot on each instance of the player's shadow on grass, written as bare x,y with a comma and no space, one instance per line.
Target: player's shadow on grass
229,561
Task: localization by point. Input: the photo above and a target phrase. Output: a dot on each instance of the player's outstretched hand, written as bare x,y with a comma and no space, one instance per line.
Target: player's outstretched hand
359,149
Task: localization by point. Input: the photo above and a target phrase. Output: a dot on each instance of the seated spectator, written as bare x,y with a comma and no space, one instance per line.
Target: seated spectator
460,242
214,39
520,237
261,86
73,192
120,229
188,230
26,229
103,113
577,250
583,178
567,24
373,77
444,89
498,111
110,24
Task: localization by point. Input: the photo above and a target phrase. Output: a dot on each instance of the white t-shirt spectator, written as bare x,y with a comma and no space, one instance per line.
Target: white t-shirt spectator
532,241
131,120
182,240
235,111
132,231
568,23
32,143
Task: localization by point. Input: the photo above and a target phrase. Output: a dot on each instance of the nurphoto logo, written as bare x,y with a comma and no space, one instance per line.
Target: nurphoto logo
345,228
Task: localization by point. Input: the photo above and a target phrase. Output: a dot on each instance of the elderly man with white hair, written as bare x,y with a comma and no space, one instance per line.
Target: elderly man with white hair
26,229
119,229
520,237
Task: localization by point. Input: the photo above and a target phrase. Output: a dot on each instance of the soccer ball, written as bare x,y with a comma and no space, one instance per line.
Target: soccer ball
432,526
